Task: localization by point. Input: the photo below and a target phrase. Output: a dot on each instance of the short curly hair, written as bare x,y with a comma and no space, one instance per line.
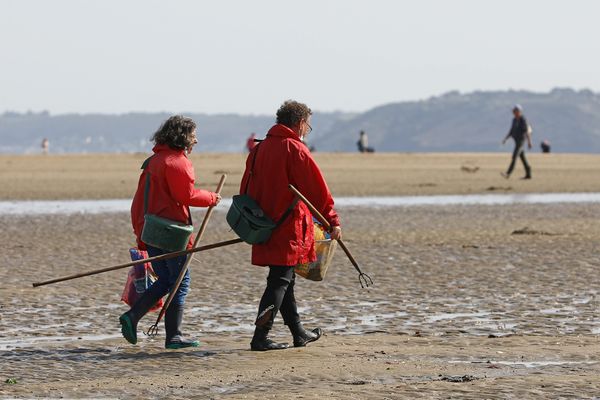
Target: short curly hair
292,112
175,132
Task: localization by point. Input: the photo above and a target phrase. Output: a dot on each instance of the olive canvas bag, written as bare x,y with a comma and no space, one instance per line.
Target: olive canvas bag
248,220
161,232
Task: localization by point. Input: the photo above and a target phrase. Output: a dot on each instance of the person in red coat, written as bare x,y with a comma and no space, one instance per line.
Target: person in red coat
283,159
170,195
250,143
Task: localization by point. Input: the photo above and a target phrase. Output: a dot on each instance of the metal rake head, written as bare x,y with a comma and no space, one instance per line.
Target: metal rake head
152,331
364,280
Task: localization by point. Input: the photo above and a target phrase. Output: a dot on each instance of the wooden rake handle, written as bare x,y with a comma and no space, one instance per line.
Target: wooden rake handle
364,279
142,261
312,208
191,255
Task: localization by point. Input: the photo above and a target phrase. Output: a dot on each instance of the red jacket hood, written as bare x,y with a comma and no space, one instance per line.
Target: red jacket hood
283,131
163,147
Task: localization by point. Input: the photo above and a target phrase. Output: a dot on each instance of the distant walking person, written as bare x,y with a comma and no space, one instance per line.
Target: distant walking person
45,145
519,131
363,143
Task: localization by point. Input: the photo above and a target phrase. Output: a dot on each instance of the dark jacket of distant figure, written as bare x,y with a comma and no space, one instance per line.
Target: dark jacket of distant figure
171,191
518,130
282,159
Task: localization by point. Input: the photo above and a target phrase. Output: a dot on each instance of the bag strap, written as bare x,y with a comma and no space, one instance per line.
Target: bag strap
147,185
289,210
147,188
253,162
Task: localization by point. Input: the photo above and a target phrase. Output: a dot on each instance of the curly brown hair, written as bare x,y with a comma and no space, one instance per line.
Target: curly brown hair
176,132
292,112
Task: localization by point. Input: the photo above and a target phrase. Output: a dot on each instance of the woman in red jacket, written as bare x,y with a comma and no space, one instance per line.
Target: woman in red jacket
171,193
281,159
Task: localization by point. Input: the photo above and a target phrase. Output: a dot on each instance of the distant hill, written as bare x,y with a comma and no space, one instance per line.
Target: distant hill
476,121
75,133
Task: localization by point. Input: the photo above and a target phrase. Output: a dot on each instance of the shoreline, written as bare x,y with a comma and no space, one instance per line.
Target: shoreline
110,176
109,206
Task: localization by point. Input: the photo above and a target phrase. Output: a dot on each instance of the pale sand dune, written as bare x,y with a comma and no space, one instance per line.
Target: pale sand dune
456,295
108,176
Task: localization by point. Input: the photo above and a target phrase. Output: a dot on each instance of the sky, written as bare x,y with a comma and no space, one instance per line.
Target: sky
242,56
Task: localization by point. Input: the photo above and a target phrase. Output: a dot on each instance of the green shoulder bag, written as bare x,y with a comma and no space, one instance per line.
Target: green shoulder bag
161,232
248,220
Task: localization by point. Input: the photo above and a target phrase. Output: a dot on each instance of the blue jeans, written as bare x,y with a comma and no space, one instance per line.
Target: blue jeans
167,272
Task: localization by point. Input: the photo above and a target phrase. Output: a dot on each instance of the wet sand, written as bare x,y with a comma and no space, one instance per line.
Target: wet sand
110,176
461,308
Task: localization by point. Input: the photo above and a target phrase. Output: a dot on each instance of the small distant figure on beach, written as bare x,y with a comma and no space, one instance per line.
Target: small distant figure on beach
250,143
520,131
45,146
363,143
545,146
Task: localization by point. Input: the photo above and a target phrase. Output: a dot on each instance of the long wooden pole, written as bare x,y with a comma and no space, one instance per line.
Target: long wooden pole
312,208
143,261
188,252
327,226
190,256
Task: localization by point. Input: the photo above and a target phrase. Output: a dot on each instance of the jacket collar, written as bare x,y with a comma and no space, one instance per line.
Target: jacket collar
165,148
283,131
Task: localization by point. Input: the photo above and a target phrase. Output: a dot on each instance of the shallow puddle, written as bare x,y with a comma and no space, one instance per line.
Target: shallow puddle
41,207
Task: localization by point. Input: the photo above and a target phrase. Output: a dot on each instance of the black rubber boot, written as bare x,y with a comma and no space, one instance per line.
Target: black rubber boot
175,339
302,337
261,342
130,319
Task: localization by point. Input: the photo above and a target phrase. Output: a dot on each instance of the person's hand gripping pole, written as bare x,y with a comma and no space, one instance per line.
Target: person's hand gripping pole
364,279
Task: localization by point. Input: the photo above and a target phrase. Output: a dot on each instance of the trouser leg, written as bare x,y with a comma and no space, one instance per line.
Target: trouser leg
515,155
273,299
525,164
289,312
167,272
278,282
289,309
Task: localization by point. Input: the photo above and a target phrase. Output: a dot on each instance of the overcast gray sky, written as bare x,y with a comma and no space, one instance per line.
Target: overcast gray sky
242,56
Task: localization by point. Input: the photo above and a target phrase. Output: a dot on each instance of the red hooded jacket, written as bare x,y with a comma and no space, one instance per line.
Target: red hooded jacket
282,159
171,192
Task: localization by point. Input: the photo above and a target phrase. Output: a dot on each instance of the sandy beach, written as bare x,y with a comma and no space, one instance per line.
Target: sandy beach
469,301
115,176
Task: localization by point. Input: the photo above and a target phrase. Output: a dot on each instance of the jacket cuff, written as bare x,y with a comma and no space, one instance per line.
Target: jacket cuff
334,222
